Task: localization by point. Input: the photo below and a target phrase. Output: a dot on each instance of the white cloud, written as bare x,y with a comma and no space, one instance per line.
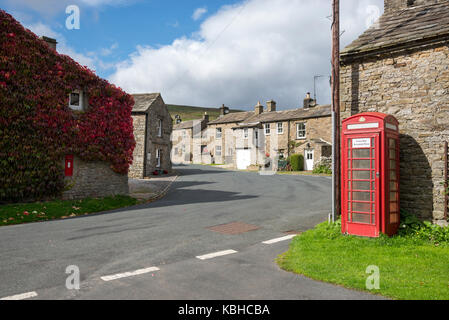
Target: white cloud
198,13
255,50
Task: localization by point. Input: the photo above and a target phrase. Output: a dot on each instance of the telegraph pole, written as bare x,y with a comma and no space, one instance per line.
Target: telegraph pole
336,165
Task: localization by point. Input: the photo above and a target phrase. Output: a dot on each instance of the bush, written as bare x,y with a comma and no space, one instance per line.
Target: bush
296,162
411,226
322,169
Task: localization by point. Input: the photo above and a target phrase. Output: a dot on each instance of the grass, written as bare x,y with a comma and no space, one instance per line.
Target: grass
192,113
304,173
410,268
43,211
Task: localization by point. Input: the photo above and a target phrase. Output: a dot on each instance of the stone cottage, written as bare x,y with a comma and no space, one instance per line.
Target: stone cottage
400,66
249,138
152,131
189,139
64,131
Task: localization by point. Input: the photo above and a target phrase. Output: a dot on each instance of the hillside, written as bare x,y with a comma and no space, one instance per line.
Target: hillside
191,113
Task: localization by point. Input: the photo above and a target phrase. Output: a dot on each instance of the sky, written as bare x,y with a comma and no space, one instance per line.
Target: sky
202,52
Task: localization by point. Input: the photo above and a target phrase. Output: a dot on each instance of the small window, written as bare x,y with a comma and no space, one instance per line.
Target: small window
183,148
76,100
280,127
218,150
218,133
267,129
300,130
158,157
184,134
245,133
159,128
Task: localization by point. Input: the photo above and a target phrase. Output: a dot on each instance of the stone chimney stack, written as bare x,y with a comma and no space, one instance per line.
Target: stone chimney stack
397,5
206,117
271,106
258,109
223,110
309,102
50,42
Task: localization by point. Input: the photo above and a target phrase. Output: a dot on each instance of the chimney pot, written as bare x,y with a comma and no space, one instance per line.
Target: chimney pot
50,42
309,102
271,106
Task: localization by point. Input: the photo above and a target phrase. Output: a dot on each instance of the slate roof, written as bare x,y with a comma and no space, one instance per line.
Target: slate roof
250,119
232,117
407,28
144,101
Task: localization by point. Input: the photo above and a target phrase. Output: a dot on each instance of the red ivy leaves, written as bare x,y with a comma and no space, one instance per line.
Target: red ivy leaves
37,128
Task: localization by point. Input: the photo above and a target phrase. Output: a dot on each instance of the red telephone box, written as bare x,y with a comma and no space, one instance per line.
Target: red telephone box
370,175
69,165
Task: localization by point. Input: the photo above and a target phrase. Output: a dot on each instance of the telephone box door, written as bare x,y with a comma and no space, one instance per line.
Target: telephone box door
361,201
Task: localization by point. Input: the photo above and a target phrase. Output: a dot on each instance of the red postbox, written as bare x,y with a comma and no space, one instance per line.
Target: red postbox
69,159
370,175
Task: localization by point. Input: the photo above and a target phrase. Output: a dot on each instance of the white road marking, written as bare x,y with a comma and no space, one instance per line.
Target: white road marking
129,274
216,254
280,239
21,296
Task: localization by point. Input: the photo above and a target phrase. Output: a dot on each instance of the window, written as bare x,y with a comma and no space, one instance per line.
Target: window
158,158
183,149
245,133
280,128
267,129
184,134
300,131
77,100
218,150
159,127
218,133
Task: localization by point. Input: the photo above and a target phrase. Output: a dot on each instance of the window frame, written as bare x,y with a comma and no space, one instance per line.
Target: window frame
81,101
218,153
267,126
281,127
159,127
158,158
218,133
298,137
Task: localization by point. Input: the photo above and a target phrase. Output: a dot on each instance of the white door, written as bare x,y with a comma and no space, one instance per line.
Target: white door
308,160
243,159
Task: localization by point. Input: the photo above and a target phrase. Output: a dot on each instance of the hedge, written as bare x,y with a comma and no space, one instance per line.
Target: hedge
37,128
296,162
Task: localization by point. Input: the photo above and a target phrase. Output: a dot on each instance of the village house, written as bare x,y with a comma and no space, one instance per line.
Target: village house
60,123
249,138
400,66
189,141
152,131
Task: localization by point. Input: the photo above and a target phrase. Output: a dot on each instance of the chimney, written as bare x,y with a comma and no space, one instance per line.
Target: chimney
206,117
271,106
397,5
309,102
258,109
223,110
50,42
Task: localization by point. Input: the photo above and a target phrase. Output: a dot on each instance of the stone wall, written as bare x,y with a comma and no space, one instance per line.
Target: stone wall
413,87
158,111
136,169
94,180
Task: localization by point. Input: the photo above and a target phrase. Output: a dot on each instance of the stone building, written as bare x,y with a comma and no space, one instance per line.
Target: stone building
249,138
189,141
152,131
400,66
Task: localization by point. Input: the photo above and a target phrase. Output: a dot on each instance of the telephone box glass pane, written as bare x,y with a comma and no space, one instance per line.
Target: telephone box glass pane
361,153
392,164
394,218
361,185
361,175
393,186
392,154
361,164
361,207
393,196
393,207
392,143
361,218
361,196
393,175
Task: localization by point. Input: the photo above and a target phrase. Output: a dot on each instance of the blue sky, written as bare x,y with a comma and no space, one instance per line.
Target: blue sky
202,52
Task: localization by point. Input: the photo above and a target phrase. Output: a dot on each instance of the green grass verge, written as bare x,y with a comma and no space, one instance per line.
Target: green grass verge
410,268
58,209
304,173
192,113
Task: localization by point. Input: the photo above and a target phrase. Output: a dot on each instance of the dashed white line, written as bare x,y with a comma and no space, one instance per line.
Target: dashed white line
21,296
216,254
280,239
129,274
